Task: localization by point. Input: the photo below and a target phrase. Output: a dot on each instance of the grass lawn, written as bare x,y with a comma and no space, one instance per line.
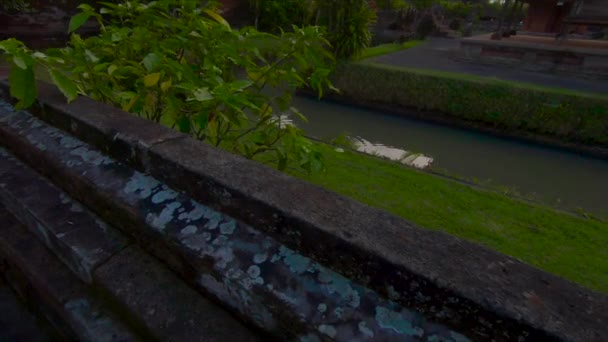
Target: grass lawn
384,49
572,247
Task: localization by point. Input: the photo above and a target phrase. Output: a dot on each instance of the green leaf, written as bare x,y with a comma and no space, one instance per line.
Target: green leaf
282,163
65,85
86,8
201,120
10,45
18,60
111,69
128,106
202,94
151,61
152,79
165,86
78,20
217,18
91,56
183,124
39,55
23,86
241,84
299,114
101,67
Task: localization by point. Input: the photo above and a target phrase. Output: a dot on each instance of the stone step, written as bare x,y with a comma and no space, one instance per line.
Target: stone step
156,298
77,236
46,284
143,292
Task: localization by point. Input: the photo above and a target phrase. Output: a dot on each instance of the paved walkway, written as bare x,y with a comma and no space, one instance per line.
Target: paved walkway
436,54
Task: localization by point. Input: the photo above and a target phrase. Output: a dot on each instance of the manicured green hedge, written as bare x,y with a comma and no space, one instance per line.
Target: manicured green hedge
511,106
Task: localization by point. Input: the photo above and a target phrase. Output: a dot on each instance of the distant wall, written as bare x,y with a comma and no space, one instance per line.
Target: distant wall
585,61
44,24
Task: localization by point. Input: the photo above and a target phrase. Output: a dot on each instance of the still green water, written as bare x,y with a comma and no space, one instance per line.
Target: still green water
553,176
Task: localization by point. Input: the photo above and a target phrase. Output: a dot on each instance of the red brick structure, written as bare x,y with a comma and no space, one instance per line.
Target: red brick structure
550,16
546,16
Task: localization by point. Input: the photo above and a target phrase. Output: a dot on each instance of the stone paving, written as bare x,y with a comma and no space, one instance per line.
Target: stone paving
439,54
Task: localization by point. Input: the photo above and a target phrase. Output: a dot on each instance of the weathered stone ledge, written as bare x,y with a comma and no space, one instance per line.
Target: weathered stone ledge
81,240
474,290
271,286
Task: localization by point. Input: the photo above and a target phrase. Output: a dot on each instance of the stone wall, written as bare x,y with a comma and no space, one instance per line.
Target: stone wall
288,259
581,62
44,24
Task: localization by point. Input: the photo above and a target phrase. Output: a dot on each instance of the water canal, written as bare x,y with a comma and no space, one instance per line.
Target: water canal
554,176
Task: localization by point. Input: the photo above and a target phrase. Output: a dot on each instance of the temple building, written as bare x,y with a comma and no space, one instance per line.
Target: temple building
567,16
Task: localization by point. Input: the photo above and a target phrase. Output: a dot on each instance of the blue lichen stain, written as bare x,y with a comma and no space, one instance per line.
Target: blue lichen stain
188,230
297,263
456,337
392,294
34,123
336,283
160,221
39,145
220,240
286,298
309,338
198,242
214,218
198,210
254,271
328,330
163,196
223,257
365,330
259,258
388,319
275,258
68,142
339,312
141,185
227,228
91,156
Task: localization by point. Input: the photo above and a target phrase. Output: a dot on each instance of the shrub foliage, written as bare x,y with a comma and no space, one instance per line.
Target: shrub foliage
569,116
179,63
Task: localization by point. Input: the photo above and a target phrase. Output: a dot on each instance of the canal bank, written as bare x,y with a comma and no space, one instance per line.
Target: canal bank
556,116
562,243
542,173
